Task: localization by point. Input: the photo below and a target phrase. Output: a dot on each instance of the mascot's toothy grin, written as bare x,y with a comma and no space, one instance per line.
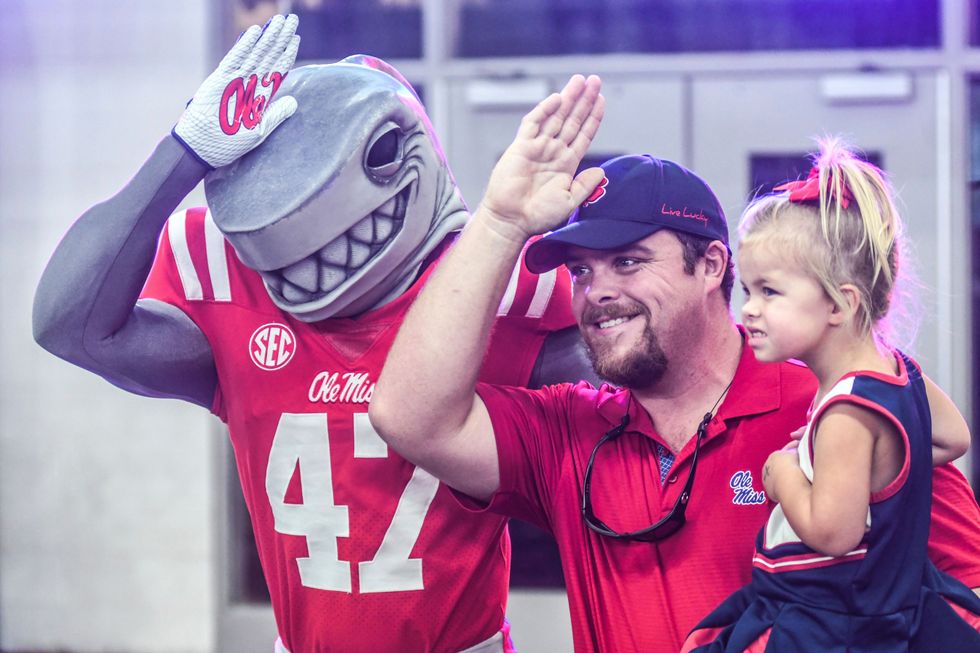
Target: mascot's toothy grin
330,266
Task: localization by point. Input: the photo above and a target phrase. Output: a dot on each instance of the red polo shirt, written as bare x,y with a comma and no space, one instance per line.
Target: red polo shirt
646,596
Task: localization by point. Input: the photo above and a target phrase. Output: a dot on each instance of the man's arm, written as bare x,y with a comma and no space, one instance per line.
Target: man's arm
86,309
954,535
441,344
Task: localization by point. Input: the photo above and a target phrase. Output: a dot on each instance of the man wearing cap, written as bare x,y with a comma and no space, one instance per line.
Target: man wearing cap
651,489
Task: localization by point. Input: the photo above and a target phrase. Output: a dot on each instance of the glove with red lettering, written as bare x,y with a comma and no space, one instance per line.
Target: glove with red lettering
233,112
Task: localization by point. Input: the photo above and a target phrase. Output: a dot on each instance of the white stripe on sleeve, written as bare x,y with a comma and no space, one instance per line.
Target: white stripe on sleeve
511,292
217,260
542,293
177,232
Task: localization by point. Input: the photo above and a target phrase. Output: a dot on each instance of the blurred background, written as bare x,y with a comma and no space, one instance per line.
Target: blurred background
121,524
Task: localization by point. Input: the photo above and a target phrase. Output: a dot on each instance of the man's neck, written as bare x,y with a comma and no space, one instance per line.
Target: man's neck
694,382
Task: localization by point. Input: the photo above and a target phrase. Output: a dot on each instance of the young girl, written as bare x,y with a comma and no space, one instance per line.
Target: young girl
841,564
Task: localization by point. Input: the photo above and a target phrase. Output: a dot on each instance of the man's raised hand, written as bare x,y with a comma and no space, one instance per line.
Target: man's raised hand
533,187
233,112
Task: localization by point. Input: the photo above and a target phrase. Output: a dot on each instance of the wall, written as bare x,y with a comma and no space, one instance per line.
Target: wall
106,509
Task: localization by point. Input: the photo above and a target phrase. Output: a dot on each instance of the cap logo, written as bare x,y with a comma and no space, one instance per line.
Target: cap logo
598,193
684,213
744,491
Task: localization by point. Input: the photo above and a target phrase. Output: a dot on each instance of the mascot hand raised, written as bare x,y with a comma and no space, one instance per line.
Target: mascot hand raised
233,111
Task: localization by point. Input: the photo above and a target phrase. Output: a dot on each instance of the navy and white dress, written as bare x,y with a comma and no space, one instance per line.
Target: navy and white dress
884,595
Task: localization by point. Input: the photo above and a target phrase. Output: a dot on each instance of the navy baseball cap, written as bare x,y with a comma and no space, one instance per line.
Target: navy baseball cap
638,196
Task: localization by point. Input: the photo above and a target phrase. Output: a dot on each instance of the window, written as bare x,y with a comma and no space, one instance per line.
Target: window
543,27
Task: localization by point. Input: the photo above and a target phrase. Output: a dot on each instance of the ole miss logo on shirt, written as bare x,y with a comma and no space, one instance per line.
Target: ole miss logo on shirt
745,493
272,346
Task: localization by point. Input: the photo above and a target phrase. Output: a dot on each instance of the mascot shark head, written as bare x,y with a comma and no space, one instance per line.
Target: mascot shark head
338,209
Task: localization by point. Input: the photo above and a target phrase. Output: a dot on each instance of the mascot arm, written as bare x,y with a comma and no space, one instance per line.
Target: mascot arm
86,309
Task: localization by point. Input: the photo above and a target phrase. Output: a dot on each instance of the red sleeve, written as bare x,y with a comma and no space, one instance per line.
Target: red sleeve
181,270
182,277
954,538
528,426
533,306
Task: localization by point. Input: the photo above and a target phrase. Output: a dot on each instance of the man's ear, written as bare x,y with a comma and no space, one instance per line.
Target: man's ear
845,314
716,260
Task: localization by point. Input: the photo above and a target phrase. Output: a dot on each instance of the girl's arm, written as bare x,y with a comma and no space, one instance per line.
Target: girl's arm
830,515
950,434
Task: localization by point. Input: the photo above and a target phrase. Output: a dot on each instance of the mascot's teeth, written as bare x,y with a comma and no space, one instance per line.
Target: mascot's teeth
389,209
335,253
363,231
335,262
302,274
275,281
295,295
359,253
331,277
383,227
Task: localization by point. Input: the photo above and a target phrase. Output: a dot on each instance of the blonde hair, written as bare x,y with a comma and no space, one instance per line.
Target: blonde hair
858,245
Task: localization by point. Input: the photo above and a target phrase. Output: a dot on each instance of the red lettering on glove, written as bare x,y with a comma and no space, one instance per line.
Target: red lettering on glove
240,102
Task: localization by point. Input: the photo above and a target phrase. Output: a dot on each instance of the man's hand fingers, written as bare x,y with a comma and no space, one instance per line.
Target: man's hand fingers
583,139
580,109
531,124
570,96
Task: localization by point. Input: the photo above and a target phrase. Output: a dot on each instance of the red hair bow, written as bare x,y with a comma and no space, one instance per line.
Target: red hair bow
808,190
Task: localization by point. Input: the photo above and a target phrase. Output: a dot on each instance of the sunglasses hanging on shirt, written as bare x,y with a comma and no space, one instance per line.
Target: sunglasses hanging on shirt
673,520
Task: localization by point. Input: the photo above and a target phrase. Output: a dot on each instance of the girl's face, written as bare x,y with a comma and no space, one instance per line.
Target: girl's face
786,312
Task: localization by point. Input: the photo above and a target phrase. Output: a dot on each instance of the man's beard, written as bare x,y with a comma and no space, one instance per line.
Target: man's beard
641,367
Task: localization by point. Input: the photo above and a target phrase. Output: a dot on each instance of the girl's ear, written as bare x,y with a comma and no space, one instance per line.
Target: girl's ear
845,314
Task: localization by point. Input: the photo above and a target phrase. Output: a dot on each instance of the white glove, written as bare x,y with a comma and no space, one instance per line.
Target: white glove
232,112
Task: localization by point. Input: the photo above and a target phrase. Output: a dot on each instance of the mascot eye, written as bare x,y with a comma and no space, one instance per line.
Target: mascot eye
384,157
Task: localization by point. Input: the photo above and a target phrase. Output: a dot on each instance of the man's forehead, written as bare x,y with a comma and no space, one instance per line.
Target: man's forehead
658,241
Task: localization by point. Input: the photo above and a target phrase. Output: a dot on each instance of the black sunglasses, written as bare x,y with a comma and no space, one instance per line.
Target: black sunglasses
664,527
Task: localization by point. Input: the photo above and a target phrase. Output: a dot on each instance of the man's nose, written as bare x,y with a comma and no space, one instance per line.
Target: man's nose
603,288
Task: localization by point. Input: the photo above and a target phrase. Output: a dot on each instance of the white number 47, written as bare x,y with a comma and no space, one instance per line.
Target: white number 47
303,439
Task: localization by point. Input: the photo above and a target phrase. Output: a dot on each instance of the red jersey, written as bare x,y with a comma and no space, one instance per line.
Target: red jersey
646,596
361,550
